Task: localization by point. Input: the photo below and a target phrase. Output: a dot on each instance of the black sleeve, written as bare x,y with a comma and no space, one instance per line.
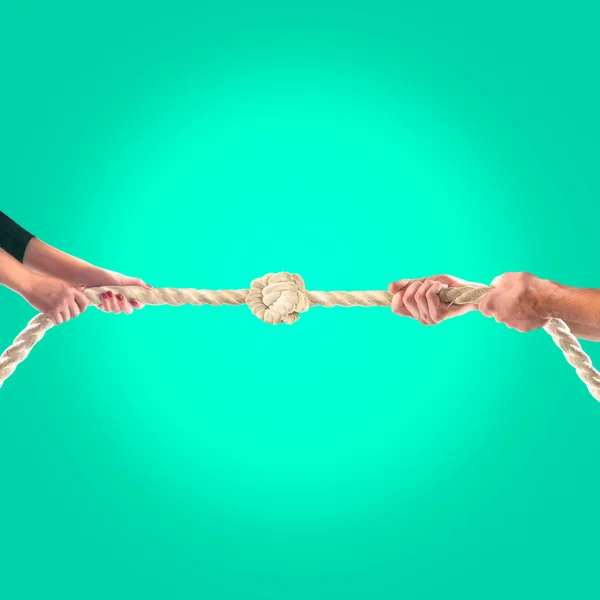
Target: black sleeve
13,238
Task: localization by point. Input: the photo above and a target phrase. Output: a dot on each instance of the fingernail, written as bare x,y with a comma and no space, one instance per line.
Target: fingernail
134,303
109,294
104,295
120,297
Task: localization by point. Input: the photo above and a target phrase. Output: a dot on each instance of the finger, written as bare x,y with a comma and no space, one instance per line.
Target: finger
65,313
401,284
82,300
398,307
113,303
144,284
137,304
105,302
491,309
74,309
434,303
497,280
409,299
456,310
124,304
137,281
484,307
421,300
396,286
56,317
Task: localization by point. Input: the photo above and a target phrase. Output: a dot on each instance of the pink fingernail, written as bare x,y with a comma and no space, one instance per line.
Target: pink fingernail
109,294
120,297
104,295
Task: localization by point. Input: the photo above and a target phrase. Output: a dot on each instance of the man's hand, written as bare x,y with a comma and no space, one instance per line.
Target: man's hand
517,301
419,299
111,302
55,298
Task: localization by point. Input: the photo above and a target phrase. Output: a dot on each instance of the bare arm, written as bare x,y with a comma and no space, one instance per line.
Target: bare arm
51,280
41,258
579,308
13,274
49,295
584,332
522,301
47,260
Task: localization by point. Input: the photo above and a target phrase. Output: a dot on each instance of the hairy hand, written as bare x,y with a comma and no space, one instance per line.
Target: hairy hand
516,300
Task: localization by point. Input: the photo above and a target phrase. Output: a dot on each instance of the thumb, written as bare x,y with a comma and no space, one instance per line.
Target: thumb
496,281
137,281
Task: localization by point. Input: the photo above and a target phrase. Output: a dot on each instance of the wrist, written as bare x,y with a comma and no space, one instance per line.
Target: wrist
87,274
545,296
96,276
25,282
43,259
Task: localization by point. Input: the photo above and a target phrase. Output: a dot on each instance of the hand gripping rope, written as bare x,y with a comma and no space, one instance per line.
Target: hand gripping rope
279,298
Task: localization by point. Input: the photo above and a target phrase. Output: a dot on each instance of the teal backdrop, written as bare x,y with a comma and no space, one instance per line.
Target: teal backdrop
198,453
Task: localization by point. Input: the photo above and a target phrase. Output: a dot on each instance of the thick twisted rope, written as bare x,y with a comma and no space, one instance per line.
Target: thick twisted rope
279,298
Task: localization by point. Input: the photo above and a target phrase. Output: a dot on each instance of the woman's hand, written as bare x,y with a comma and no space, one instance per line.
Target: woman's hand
116,303
55,298
419,299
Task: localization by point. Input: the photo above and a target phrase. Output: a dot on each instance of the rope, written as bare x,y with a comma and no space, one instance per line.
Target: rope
280,298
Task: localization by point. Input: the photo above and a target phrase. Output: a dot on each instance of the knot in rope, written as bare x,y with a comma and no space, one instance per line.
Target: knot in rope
278,298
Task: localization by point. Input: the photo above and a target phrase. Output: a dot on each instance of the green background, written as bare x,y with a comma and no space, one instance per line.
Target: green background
198,453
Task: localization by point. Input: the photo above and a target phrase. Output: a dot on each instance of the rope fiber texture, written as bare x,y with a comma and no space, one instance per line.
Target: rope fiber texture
280,298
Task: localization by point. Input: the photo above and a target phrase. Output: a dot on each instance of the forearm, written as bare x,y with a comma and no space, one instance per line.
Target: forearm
579,308
583,331
43,258
13,274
